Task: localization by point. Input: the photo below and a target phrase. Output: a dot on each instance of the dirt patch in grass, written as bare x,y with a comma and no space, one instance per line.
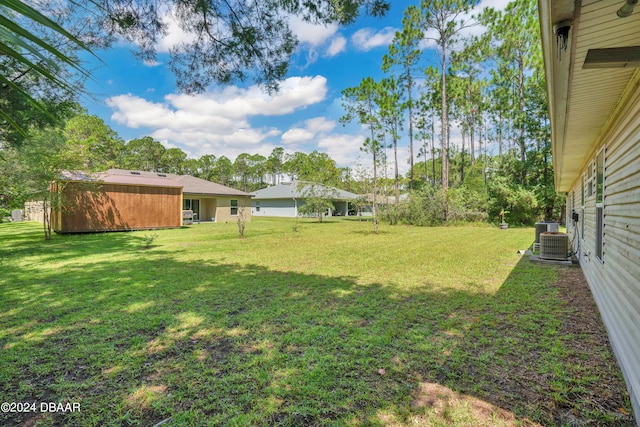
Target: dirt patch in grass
546,363
590,358
440,400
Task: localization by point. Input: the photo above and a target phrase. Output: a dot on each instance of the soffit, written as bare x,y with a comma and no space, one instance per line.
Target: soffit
584,103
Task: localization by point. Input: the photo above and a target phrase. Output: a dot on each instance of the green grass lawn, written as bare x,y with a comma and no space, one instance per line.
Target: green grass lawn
329,325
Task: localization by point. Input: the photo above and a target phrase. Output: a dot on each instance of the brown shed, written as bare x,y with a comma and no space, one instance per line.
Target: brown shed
116,201
209,201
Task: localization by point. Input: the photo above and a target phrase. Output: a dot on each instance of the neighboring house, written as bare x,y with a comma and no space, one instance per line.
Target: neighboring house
285,200
593,87
118,199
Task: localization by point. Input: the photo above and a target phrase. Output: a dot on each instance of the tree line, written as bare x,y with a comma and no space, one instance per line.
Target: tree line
488,88
86,143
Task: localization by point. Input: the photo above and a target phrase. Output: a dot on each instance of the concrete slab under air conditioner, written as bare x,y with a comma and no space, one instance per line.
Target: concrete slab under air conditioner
537,260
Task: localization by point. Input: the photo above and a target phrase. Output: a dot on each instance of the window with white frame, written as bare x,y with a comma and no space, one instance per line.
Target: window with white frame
234,207
599,190
590,180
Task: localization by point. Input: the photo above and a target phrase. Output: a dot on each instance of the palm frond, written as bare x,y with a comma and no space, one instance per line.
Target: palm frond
28,49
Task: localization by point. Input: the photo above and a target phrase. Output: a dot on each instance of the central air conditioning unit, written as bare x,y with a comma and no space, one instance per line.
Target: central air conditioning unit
543,227
554,246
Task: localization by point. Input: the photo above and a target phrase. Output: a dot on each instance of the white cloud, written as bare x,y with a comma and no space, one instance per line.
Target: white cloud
244,137
317,39
175,35
320,124
150,63
343,148
317,133
313,34
218,120
297,136
366,39
338,44
495,4
309,131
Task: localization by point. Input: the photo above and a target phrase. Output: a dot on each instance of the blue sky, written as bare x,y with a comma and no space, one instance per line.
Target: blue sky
138,99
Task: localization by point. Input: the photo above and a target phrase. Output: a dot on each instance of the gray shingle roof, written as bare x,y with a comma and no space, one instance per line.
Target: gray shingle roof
297,190
193,185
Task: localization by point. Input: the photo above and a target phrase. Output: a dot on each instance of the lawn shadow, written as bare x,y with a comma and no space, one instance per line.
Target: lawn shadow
223,343
358,218
369,232
20,240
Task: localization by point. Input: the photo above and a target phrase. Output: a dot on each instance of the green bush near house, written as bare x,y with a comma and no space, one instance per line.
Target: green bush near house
5,215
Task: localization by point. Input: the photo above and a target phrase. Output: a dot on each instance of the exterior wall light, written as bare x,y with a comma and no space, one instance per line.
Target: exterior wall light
627,8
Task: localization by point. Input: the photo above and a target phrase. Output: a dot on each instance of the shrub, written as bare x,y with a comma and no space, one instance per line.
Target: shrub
465,205
148,240
521,202
4,213
424,208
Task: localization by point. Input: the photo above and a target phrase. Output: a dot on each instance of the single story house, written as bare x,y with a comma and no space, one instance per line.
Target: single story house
210,201
118,199
284,200
592,54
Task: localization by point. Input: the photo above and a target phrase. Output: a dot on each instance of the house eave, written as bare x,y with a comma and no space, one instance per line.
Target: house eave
558,64
583,101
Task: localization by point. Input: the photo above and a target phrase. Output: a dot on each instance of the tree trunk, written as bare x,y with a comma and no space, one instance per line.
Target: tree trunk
445,120
395,155
500,134
433,150
472,154
47,219
410,96
521,138
375,191
425,150
472,120
374,148
462,157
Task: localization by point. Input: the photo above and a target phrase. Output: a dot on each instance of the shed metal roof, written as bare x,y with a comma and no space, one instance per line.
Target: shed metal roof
190,184
121,178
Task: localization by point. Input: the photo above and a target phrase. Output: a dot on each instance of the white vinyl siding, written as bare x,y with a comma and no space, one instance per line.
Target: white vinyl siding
615,282
276,207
